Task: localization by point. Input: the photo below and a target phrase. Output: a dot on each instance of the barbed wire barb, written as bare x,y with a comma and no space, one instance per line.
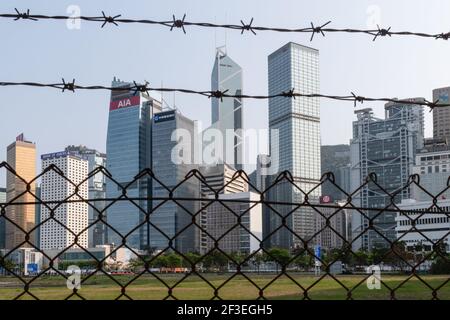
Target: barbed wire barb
247,27
177,23
70,86
382,33
109,19
315,30
24,15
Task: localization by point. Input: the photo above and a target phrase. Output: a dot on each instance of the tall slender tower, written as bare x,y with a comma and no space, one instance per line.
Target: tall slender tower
128,148
226,113
298,124
21,156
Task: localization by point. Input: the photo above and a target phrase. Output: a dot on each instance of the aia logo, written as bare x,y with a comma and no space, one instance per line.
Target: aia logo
124,103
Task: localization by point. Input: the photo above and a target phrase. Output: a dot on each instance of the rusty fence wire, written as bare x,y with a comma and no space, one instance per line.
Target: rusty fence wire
215,243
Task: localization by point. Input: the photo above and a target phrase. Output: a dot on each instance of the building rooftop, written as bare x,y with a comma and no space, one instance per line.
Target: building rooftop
284,47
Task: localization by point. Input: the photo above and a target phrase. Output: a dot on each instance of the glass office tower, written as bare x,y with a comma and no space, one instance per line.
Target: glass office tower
128,148
226,113
298,124
173,157
386,147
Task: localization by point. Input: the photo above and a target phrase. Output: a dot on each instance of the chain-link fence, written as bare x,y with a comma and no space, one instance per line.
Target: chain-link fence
219,244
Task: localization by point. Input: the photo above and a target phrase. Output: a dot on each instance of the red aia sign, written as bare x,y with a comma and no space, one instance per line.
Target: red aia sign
124,103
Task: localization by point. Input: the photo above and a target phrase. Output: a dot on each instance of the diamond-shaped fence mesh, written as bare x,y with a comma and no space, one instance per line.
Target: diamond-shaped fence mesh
167,244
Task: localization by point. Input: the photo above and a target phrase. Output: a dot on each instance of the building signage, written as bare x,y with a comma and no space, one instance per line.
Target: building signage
125,103
62,154
32,268
165,116
54,155
325,199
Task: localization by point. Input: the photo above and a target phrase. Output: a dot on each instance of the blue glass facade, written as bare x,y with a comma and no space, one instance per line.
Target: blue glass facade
128,150
171,218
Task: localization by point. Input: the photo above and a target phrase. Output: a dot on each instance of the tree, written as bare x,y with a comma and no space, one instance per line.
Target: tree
441,266
135,264
7,264
215,260
258,259
190,259
159,261
360,258
378,255
280,256
303,261
236,258
173,260
398,256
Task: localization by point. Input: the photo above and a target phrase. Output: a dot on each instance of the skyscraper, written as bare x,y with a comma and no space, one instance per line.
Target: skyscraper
386,147
174,136
21,156
441,115
128,148
97,192
298,124
226,113
69,218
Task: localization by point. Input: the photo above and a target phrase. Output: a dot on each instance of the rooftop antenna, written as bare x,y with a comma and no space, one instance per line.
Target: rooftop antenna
163,101
215,33
226,21
174,100
162,93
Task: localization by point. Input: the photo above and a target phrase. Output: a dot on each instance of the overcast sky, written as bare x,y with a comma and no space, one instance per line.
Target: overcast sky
46,51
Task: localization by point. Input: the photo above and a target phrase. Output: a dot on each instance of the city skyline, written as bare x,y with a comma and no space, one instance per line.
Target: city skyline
197,149
386,83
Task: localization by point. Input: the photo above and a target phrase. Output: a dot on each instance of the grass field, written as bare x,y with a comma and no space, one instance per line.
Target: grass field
193,287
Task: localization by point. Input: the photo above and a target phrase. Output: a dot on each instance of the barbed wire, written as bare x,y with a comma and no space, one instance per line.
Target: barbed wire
181,23
218,94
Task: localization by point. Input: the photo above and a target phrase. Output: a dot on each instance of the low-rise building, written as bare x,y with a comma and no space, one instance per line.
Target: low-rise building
422,223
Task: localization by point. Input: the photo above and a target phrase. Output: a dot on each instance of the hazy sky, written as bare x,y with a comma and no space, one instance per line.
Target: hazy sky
46,51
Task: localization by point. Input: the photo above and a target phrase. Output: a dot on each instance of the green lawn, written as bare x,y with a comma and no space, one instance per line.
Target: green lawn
193,287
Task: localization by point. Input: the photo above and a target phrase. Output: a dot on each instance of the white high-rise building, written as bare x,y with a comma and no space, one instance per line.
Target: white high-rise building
72,215
226,113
